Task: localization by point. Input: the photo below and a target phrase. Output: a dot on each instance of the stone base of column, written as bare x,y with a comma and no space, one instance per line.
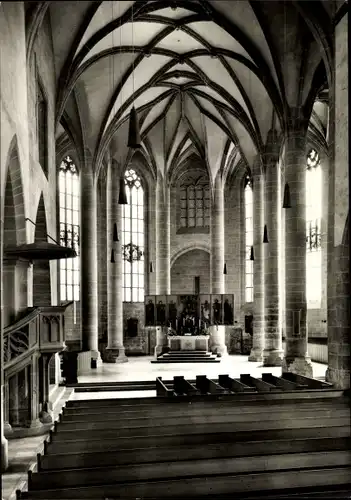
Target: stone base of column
161,340
217,340
273,357
7,429
46,415
85,361
4,462
34,424
255,355
300,366
339,378
115,355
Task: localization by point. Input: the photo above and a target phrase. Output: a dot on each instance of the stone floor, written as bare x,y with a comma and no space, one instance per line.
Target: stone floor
22,452
140,369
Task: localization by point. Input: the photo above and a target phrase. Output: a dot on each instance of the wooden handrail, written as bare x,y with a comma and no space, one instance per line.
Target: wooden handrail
24,321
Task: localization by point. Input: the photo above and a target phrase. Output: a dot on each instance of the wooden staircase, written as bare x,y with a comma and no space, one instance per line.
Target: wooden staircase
243,444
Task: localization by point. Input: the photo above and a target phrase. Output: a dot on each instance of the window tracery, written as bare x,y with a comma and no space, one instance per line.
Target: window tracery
133,239
313,226
69,199
248,201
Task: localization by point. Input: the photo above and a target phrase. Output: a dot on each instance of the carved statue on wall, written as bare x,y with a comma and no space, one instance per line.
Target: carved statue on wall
150,313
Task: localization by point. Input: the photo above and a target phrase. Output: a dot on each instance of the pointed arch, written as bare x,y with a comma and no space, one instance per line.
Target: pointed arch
41,269
13,208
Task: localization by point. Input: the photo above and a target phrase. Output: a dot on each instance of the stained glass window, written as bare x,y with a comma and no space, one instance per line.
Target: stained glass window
69,193
133,239
313,227
248,199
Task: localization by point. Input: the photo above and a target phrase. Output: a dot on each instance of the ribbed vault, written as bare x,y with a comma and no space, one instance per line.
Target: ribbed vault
206,77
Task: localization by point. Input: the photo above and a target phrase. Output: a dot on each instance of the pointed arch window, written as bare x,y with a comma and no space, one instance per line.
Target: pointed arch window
69,200
133,239
42,128
195,205
248,201
313,227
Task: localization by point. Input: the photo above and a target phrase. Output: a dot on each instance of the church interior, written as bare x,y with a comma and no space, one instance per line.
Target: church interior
174,249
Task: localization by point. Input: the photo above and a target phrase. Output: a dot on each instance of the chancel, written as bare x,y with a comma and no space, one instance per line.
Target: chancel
174,225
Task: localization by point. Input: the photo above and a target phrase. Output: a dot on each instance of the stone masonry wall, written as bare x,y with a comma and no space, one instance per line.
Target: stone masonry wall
18,84
186,267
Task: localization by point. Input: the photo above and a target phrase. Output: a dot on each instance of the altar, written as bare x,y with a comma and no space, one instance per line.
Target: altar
188,342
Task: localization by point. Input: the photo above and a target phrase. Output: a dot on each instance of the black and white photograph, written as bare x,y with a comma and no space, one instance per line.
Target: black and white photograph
174,249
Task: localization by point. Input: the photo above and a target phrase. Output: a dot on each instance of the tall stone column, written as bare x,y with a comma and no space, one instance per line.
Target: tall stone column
338,267
258,263
88,271
217,238
4,459
296,358
163,263
217,332
163,266
115,348
273,351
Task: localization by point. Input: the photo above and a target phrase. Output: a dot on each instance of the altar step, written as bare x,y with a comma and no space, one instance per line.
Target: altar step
187,357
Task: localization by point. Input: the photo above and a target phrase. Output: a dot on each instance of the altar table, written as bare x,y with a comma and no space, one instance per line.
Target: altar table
188,342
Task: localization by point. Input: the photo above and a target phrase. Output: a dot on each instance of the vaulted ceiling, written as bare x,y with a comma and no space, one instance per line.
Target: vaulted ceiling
208,78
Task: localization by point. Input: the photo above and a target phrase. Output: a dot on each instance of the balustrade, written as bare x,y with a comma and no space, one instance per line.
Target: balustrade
29,345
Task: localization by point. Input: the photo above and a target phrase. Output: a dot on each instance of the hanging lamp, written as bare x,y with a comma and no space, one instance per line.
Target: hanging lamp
115,233
252,254
151,268
113,256
122,197
265,234
225,268
134,141
286,199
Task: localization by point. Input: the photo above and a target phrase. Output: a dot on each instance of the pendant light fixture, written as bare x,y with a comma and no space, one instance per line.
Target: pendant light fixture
134,140
225,268
115,233
286,199
122,196
112,256
265,234
252,254
151,268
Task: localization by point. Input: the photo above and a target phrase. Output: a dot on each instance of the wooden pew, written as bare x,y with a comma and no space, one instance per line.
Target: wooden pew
310,382
234,385
211,416
194,410
224,484
199,425
182,386
185,468
207,386
285,384
161,390
179,452
259,384
78,445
